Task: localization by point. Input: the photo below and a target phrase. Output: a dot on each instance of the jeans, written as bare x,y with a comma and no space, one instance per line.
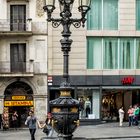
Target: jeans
130,120
15,124
51,131
32,133
136,120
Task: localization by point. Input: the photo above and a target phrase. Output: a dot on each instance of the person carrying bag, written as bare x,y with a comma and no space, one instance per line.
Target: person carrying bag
47,127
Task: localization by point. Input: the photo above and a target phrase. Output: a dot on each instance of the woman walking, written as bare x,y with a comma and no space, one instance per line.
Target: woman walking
48,125
130,115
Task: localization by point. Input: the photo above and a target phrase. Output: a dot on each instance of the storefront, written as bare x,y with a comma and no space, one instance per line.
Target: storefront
101,96
18,99
114,98
89,101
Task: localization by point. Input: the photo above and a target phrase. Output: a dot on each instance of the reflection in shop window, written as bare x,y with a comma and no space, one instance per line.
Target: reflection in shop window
89,103
110,105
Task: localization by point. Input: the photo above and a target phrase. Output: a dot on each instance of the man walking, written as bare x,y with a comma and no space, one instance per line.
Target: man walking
31,122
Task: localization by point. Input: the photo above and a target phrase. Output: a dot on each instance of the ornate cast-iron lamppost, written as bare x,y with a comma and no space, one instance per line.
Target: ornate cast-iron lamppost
65,109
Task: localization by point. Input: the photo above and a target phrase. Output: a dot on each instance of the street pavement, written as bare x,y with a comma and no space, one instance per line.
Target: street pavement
106,131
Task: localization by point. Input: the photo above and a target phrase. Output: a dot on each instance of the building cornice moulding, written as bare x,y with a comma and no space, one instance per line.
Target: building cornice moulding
17,0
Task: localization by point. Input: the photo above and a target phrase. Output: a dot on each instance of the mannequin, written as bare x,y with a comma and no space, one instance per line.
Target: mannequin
87,107
81,108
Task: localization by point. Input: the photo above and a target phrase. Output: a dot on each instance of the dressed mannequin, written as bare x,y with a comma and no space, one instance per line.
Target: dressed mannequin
87,107
81,108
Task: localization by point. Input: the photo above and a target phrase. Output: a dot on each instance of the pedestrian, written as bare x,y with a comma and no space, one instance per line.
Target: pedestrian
5,120
136,114
121,115
31,122
130,115
0,121
15,120
47,127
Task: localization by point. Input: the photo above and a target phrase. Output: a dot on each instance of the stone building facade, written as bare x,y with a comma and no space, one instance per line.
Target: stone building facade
107,82
23,58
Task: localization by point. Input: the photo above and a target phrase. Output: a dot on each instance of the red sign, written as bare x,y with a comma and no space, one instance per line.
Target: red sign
50,80
127,80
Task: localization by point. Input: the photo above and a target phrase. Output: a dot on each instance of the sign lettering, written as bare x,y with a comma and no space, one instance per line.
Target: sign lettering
18,97
18,103
127,80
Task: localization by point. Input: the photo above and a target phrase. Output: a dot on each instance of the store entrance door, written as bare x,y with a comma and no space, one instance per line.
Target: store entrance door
18,96
22,112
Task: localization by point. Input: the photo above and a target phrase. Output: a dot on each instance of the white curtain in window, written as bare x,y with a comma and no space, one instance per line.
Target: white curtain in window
110,14
97,54
138,55
138,14
94,53
95,15
110,55
126,54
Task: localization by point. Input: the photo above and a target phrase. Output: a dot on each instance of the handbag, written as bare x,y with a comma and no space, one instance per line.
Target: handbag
46,130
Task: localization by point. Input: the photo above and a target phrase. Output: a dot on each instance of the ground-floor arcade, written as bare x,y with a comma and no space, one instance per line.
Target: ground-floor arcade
23,95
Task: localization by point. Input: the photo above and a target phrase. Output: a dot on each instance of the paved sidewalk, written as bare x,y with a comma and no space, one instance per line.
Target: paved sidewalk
90,132
108,131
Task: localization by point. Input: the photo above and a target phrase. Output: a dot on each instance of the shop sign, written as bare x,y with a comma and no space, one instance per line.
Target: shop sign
50,80
18,97
127,80
18,103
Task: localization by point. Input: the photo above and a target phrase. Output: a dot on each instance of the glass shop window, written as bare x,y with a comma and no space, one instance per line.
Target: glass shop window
89,103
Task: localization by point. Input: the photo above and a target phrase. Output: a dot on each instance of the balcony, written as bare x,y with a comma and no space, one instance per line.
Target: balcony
26,71
16,28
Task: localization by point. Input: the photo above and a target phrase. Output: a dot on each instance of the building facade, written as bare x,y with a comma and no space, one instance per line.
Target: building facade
104,64
23,58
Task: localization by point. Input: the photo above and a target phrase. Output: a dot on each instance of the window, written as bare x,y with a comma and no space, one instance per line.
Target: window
113,53
94,53
138,54
138,14
126,54
18,17
110,54
94,19
103,15
18,57
89,100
